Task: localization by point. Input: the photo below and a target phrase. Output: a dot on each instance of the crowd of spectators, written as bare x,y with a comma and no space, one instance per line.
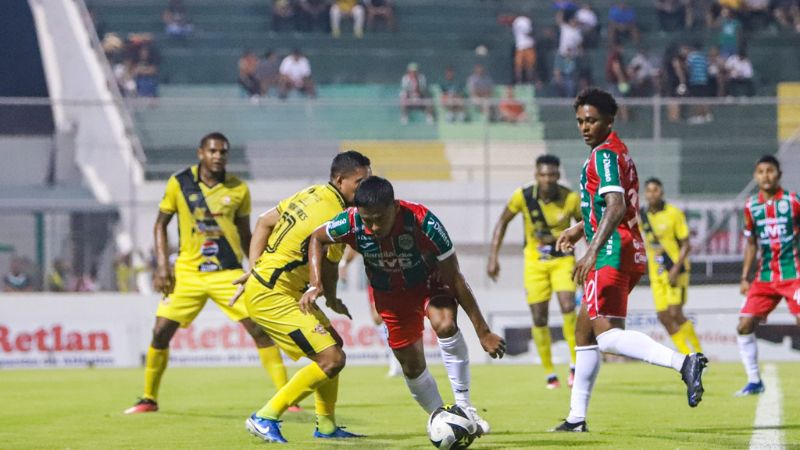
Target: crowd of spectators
275,75
135,63
327,15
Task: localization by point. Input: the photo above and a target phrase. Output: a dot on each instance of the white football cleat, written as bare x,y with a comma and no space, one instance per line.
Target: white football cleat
483,425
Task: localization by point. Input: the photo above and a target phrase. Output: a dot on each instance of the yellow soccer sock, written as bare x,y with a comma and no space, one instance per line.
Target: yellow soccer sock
687,329
273,363
541,336
570,319
302,384
325,407
680,341
154,368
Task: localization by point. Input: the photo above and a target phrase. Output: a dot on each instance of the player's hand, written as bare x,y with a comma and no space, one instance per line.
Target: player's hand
583,267
493,269
240,282
163,280
568,238
744,286
308,302
494,345
673,275
338,307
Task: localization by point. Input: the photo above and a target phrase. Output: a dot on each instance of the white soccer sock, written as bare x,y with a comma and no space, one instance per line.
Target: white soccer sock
425,392
455,356
637,345
748,350
587,366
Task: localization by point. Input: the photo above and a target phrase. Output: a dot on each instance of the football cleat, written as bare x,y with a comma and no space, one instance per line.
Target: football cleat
266,429
338,433
691,374
571,379
552,382
579,427
144,405
751,389
483,425
295,408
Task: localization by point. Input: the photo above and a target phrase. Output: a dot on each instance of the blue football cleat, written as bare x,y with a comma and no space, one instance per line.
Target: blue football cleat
266,429
751,389
338,433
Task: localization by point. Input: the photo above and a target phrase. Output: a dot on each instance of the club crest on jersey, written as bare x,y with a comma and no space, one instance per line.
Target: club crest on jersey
783,206
226,200
320,329
406,241
209,248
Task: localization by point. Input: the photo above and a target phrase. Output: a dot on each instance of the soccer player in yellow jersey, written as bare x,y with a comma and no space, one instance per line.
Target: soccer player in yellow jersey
213,210
667,242
279,278
548,209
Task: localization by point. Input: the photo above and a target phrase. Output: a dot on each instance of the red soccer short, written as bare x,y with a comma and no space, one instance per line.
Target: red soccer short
605,292
764,296
403,312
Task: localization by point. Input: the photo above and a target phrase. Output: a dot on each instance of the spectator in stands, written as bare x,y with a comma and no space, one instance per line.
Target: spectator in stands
283,12
480,87
295,73
248,64
146,72
617,78
671,14
312,14
642,75
87,282
351,9
524,50
58,278
564,5
730,33
380,9
268,73
622,21
124,273
716,73
414,94
570,39
674,83
756,13
589,25
697,70
18,278
699,14
510,109
787,14
176,22
740,74
565,74
453,96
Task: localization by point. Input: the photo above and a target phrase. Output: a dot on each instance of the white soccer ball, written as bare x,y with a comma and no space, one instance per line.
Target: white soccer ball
450,428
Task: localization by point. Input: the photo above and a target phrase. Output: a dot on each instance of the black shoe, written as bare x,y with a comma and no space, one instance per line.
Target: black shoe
691,374
579,427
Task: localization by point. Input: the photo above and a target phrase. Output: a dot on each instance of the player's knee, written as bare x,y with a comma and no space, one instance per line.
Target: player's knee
162,334
539,321
745,327
412,369
260,336
445,328
332,361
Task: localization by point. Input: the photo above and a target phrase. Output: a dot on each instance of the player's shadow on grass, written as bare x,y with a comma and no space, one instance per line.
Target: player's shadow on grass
301,417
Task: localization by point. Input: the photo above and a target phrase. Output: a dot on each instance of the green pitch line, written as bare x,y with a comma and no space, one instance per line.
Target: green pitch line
634,406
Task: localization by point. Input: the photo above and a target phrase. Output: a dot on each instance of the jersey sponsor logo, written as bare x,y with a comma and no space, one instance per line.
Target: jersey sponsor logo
406,241
208,266
338,223
607,166
437,226
390,261
209,248
320,329
773,231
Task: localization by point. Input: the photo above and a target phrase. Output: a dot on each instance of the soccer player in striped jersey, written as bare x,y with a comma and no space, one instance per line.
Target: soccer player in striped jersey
771,224
614,261
413,272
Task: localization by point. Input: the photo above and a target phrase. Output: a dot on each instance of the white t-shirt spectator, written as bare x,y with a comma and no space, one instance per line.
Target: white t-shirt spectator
570,40
739,68
586,18
295,69
522,28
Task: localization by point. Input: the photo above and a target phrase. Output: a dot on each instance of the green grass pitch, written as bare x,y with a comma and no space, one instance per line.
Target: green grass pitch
634,406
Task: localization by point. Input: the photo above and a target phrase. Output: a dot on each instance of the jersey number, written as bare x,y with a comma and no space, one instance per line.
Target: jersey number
285,225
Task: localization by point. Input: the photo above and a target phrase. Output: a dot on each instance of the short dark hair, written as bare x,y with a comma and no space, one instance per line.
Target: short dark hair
655,181
374,192
347,162
214,135
600,99
549,160
769,159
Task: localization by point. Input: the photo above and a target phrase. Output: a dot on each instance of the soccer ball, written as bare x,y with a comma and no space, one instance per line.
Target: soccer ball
450,428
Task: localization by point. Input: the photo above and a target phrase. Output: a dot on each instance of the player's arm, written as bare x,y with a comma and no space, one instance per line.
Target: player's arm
347,259
163,278
258,242
245,236
568,238
323,274
612,216
493,267
750,252
683,256
450,274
